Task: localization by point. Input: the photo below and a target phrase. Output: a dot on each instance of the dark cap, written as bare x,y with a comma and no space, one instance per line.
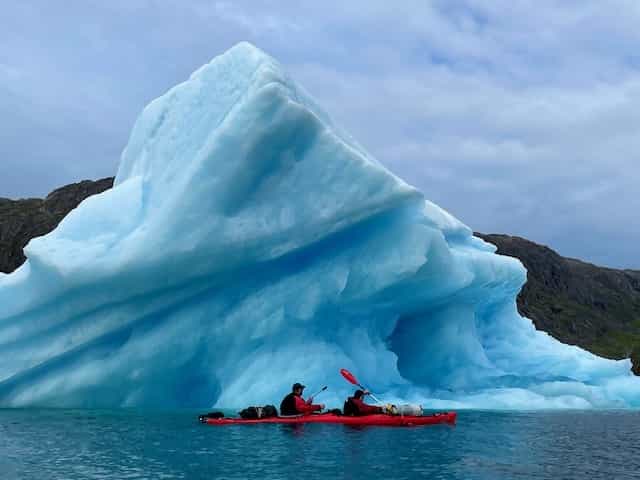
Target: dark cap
358,393
297,385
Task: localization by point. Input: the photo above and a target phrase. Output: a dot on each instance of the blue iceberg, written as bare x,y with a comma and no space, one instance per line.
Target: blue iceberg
249,243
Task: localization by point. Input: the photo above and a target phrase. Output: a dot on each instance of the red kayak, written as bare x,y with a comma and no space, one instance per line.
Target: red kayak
376,419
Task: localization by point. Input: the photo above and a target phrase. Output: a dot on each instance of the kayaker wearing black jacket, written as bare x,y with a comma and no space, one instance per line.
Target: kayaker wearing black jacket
356,406
294,404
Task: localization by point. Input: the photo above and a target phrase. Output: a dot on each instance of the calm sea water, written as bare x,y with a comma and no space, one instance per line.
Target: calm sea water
125,444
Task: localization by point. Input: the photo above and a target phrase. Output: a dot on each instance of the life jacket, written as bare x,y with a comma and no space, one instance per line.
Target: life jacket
350,408
288,405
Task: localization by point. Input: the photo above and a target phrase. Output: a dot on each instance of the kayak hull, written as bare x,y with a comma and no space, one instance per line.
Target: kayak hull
378,420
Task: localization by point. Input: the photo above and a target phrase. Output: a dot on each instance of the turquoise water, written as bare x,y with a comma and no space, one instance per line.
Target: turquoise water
119,444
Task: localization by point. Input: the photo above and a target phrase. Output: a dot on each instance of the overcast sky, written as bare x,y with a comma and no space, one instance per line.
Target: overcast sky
519,117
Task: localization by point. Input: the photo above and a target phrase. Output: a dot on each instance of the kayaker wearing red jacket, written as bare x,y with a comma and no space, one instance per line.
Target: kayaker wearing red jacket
294,404
356,406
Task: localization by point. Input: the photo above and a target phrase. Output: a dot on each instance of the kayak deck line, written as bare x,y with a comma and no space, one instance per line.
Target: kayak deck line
375,420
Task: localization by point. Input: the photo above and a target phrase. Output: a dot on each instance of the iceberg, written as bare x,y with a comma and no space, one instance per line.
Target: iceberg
249,243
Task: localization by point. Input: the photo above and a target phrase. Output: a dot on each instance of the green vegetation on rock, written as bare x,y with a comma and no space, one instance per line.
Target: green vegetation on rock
578,303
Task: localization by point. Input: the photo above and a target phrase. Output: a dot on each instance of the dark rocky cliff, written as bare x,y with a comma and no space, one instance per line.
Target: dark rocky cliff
22,220
576,302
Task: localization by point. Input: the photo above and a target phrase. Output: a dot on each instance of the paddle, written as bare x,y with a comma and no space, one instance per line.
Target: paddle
351,379
316,394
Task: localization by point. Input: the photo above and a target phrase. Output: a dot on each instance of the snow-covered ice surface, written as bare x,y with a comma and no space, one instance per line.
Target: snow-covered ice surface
249,243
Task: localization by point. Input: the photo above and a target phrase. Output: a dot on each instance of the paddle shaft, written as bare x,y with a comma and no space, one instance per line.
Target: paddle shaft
370,394
348,376
317,393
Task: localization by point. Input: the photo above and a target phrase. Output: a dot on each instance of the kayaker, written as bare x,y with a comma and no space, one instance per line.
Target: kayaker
294,404
355,405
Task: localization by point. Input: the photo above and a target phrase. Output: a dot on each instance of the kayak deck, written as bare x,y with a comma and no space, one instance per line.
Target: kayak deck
376,419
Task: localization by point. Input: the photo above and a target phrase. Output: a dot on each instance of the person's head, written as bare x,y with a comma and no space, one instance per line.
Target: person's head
358,394
297,388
